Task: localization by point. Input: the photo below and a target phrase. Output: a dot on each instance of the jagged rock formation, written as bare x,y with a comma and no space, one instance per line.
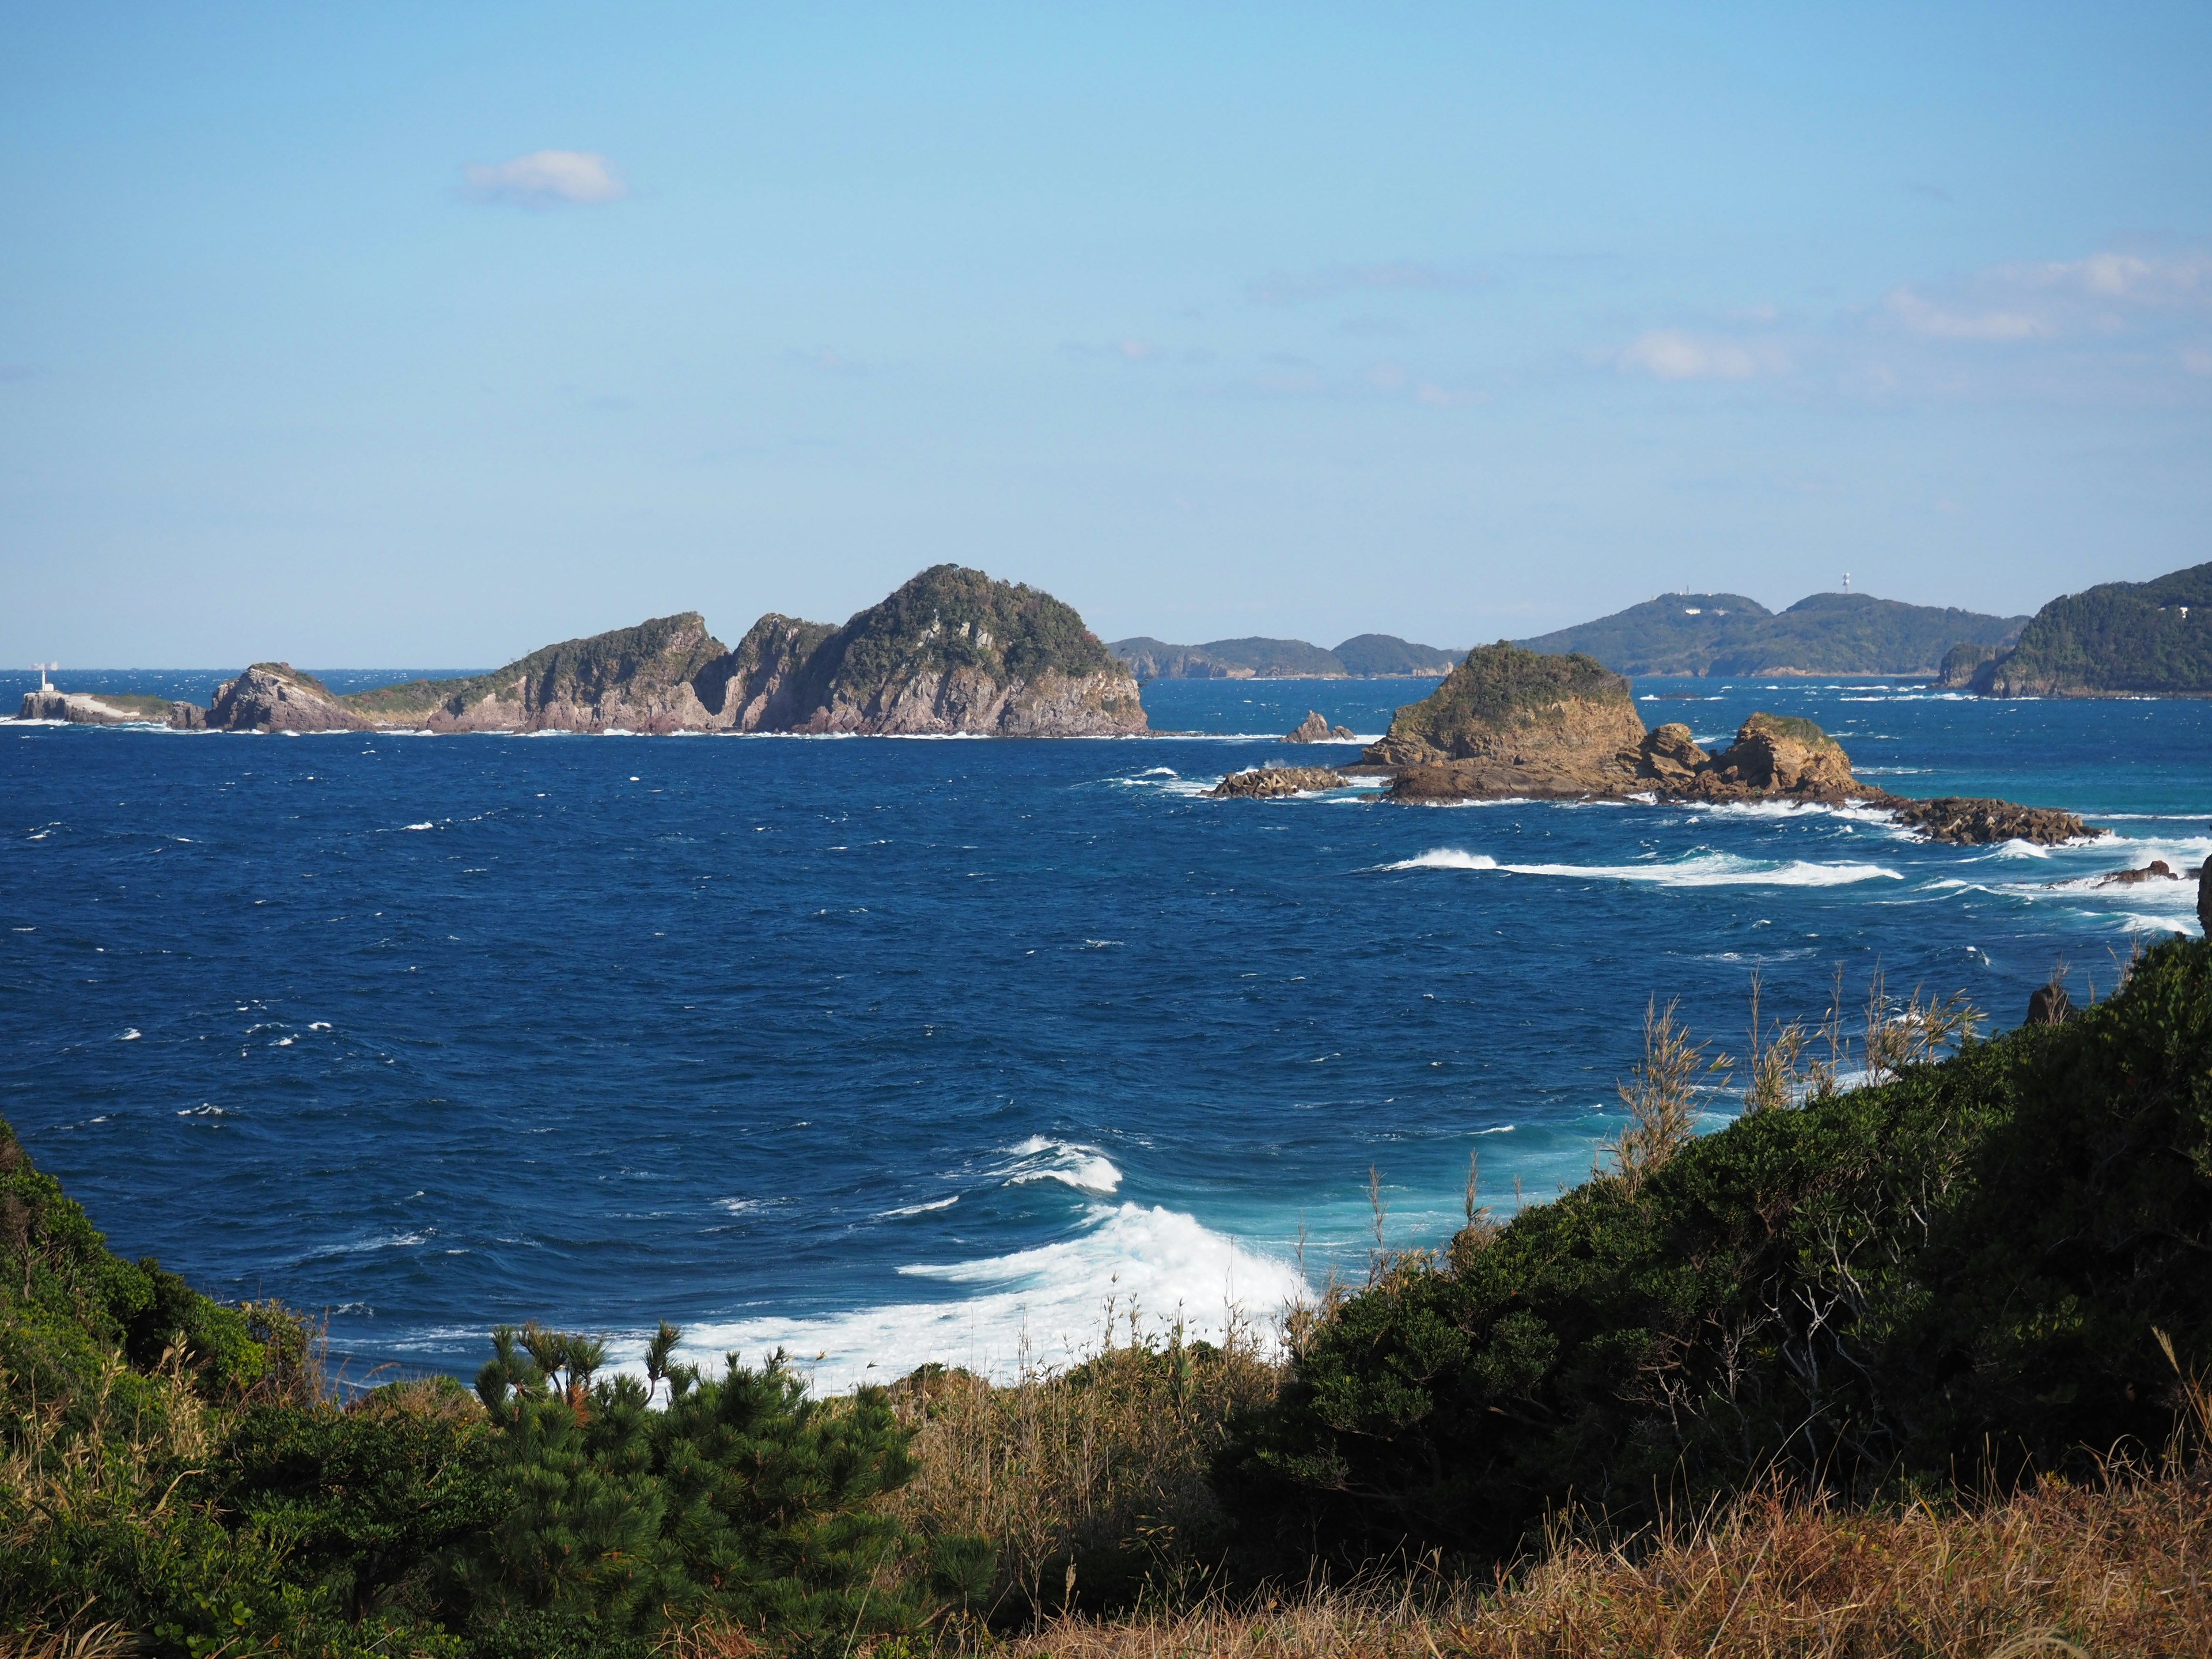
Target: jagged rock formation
1314,729
954,651
2120,639
1972,821
96,707
2204,898
1262,781
1728,633
951,651
274,696
2156,870
665,675
1509,723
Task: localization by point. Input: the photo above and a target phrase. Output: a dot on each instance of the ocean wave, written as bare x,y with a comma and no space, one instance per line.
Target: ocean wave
1086,1169
1698,870
1046,1305
919,1209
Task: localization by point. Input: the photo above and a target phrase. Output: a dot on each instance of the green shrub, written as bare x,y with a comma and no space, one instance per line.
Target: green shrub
1957,1275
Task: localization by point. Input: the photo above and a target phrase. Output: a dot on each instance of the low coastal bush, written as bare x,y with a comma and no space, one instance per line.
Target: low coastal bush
1967,1273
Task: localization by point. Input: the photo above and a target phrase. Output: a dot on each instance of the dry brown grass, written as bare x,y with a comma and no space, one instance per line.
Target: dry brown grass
1101,1469
2115,1572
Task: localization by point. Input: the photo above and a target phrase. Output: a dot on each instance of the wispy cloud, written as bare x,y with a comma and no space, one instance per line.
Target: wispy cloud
2106,293
1669,353
1333,281
1924,316
546,178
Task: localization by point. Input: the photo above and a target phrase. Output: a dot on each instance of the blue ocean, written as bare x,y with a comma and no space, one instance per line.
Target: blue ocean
883,1051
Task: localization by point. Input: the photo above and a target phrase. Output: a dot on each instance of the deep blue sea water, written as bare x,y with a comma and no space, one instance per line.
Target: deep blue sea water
889,1050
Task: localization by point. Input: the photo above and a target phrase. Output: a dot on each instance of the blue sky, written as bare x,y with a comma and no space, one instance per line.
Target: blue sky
424,335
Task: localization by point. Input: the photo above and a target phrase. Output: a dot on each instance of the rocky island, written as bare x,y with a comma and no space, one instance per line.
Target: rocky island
952,650
1510,723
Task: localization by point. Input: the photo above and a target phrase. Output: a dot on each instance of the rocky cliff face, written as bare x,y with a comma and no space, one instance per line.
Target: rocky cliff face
1508,721
953,651
274,696
666,675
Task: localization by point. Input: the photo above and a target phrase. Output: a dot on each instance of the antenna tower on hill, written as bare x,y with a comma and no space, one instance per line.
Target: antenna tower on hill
1847,581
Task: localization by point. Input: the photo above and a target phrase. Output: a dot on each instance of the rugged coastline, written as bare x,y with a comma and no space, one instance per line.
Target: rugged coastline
1510,723
952,650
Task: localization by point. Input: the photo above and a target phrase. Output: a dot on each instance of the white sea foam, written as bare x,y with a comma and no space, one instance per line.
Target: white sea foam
919,1209
1086,1169
130,1033
1045,1305
1698,869
426,824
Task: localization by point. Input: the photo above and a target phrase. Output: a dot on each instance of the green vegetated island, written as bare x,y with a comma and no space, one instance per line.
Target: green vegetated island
952,650
1363,656
1867,1325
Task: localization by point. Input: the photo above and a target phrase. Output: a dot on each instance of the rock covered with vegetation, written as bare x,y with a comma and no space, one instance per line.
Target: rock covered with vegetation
274,696
661,676
952,650
1562,721
2119,639
1969,1270
1513,724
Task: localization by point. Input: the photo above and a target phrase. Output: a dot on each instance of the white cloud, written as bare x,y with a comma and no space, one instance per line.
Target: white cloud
2197,360
1669,354
1942,323
546,178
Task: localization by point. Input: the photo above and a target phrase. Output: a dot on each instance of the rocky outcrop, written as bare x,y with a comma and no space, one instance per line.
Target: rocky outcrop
664,675
1971,821
1262,781
1507,722
274,696
2156,870
953,651
2204,898
768,688
96,708
1510,724
2048,1005
1315,729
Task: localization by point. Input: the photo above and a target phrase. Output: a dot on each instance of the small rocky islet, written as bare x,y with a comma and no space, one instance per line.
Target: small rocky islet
1510,723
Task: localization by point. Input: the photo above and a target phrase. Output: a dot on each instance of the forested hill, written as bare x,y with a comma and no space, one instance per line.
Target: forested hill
1363,656
1727,634
2115,639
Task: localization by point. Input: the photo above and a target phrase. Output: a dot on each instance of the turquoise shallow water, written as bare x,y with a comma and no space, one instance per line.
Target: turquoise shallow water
889,1050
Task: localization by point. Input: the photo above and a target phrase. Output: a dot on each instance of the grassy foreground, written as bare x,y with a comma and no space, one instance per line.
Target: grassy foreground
1911,1368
